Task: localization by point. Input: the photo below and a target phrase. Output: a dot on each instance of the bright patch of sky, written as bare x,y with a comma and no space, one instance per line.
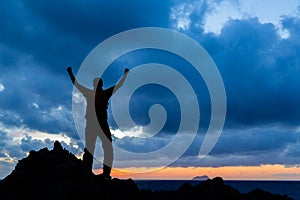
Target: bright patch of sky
18,133
1,87
181,14
218,13
134,132
7,158
35,105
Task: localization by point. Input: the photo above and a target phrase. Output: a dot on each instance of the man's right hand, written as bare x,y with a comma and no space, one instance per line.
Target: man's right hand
69,69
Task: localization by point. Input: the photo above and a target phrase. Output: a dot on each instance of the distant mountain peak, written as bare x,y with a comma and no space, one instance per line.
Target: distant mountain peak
200,178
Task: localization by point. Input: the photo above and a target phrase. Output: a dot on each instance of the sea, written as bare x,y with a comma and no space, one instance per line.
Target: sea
289,188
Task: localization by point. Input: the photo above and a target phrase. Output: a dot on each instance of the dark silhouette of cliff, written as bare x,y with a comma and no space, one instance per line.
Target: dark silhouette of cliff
57,174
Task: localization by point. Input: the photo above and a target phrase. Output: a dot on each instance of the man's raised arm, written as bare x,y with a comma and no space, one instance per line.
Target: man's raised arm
80,87
122,80
70,72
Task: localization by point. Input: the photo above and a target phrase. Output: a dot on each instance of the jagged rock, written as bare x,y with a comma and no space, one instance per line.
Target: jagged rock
211,189
57,147
261,194
57,174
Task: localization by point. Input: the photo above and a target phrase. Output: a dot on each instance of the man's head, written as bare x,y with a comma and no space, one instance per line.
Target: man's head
98,82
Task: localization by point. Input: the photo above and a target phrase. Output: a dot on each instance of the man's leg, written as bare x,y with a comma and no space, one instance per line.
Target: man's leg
107,148
87,160
90,141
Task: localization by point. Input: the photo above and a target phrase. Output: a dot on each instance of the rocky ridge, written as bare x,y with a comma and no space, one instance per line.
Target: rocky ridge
58,174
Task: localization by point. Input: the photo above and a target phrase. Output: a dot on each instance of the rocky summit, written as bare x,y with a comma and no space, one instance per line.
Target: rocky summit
57,174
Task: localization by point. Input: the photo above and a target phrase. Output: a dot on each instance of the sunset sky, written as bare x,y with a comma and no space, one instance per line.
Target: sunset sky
254,44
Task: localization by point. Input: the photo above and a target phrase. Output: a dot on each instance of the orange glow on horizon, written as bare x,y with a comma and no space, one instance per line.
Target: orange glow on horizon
263,172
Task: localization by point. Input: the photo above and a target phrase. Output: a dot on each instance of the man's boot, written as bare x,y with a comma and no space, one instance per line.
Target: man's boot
106,172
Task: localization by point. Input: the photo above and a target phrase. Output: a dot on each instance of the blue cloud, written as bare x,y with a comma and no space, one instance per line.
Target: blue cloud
257,72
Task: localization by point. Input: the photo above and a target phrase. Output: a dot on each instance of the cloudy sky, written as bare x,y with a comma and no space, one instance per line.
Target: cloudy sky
254,44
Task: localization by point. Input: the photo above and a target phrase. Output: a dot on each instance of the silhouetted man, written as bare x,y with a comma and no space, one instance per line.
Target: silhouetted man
96,114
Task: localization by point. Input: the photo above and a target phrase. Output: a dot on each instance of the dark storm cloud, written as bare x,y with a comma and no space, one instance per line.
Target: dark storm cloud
250,147
3,139
24,33
251,142
62,33
96,19
148,95
7,148
259,70
39,39
260,73
36,99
